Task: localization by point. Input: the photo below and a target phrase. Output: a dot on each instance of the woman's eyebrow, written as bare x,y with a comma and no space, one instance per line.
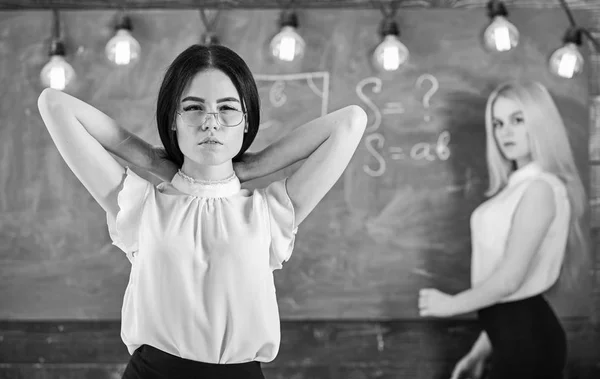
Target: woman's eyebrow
193,98
517,113
226,99
201,100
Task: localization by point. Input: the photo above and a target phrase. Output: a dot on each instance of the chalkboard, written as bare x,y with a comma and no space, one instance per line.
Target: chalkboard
398,219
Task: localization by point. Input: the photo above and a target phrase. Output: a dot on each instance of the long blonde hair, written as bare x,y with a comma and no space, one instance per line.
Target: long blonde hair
549,146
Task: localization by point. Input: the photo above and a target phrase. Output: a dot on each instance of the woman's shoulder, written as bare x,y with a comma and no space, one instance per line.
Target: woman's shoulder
553,180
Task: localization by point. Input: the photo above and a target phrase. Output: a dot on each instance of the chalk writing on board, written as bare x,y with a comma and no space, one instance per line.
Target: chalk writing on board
435,85
393,108
371,128
276,95
420,151
375,142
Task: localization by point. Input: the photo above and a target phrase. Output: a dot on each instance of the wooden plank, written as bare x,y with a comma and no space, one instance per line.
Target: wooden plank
415,349
264,4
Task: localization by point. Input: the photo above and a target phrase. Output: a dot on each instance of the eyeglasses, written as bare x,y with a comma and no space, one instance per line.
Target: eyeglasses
227,117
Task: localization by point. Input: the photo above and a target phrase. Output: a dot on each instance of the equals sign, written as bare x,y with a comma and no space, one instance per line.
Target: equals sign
396,153
393,108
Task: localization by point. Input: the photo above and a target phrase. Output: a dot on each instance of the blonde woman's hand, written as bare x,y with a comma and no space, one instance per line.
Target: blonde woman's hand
469,367
435,303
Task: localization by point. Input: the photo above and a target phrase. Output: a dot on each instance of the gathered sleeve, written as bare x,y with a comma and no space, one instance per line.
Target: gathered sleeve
124,228
282,220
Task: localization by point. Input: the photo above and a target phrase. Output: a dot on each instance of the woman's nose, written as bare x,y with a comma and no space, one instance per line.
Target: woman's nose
506,131
210,122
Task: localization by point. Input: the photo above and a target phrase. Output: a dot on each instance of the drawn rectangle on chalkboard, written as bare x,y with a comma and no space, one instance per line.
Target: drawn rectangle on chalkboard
309,77
288,101
595,130
594,195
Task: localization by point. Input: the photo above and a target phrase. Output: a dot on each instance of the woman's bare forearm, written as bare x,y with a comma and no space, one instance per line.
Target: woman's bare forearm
291,148
114,138
482,348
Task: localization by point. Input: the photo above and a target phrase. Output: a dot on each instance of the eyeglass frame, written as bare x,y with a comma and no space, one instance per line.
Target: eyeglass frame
216,117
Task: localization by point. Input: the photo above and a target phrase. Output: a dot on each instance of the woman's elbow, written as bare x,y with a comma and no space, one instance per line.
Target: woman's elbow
47,98
357,119
509,285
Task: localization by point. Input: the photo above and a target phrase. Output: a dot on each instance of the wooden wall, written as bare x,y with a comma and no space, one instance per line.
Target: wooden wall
309,350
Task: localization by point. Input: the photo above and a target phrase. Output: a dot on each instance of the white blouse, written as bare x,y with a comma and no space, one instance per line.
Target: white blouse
490,227
201,284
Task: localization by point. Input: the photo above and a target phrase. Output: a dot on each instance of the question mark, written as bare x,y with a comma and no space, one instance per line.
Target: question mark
435,85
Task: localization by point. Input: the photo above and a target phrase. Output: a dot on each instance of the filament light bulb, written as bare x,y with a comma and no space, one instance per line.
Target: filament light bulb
390,54
57,73
123,49
288,45
501,35
567,61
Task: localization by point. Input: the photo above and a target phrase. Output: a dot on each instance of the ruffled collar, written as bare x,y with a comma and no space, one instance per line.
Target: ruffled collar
206,188
530,170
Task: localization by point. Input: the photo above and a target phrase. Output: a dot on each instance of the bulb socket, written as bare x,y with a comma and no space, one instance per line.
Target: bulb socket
496,8
288,18
388,27
57,47
573,35
209,39
124,23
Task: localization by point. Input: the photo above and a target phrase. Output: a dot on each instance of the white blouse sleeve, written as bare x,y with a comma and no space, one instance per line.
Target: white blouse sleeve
281,223
124,230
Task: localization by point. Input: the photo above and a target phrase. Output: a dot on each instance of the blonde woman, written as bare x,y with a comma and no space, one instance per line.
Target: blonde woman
519,239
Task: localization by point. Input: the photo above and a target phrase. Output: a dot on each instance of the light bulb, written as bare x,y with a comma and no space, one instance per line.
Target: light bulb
287,45
123,49
566,61
390,54
57,73
501,35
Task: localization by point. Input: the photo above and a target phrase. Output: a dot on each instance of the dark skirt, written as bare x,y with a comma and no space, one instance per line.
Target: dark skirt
527,339
148,362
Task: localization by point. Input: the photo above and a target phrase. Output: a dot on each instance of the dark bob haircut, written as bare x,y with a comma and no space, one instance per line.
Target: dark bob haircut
191,61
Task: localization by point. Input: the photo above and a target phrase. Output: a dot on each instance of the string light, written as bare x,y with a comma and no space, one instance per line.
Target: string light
123,49
209,37
390,54
57,73
567,61
288,45
500,35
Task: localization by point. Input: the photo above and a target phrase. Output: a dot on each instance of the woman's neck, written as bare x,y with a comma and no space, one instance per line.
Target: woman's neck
207,172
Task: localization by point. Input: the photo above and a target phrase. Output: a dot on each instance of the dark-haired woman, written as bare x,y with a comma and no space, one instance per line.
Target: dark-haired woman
201,299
